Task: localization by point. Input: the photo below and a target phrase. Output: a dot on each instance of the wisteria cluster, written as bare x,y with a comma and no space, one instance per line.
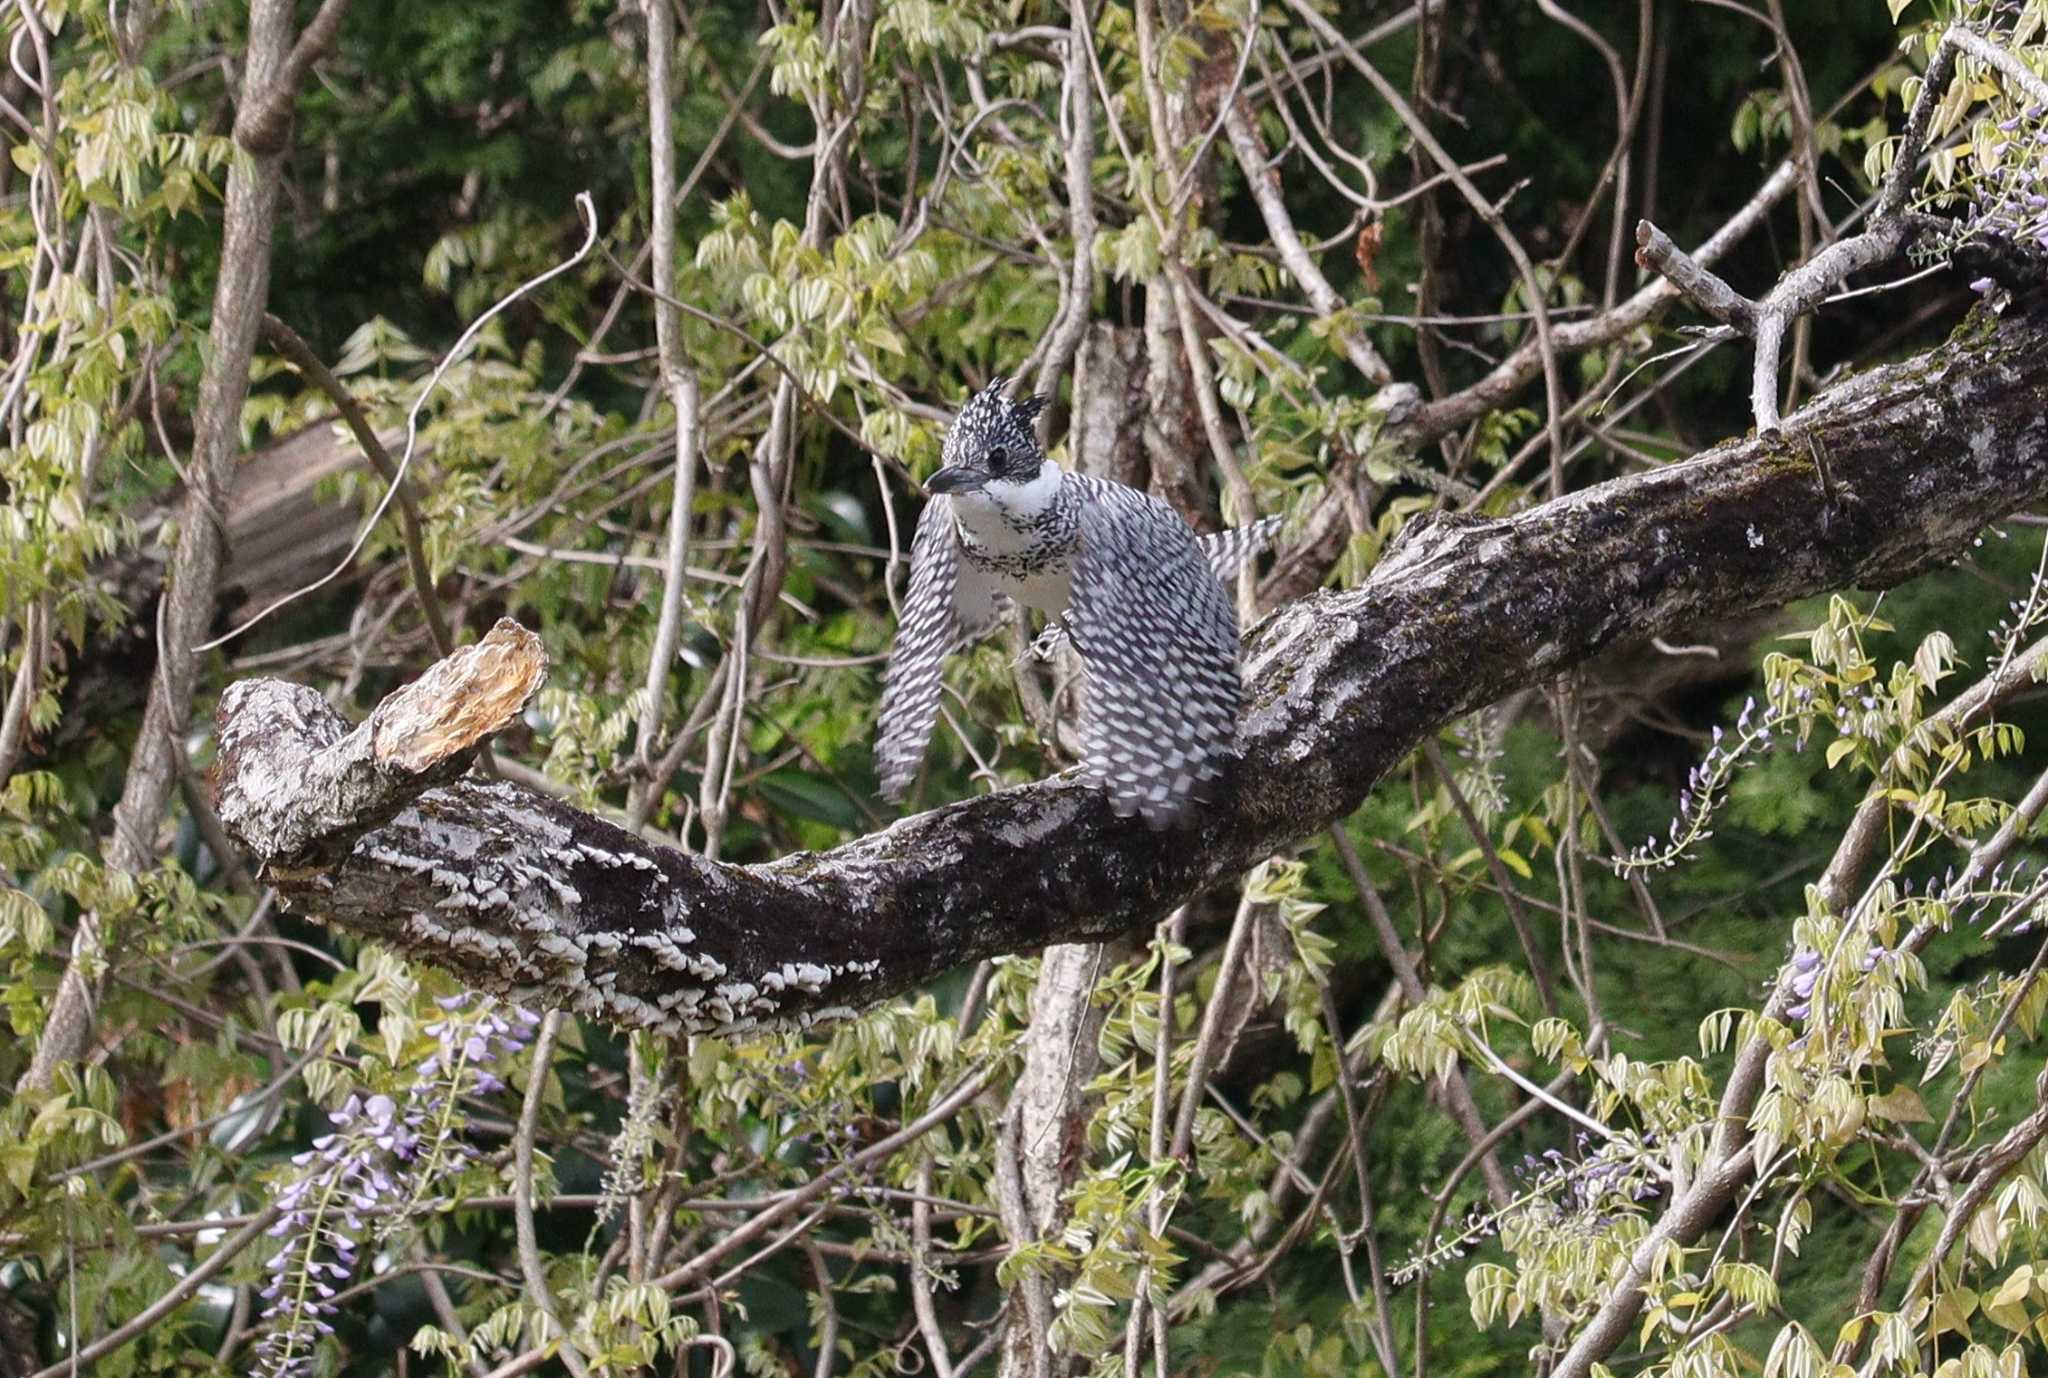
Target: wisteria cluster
2013,887
1580,1193
366,1178
1583,1190
2022,615
470,1041
1448,1247
1805,967
2010,203
345,1178
1707,784
488,1035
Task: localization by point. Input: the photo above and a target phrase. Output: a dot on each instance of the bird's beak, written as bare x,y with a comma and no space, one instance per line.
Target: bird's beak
956,478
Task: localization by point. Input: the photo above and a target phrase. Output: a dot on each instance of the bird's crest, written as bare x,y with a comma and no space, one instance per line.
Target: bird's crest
995,431
1024,409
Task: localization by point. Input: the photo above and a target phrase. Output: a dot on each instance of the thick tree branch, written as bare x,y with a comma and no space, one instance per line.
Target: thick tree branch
518,892
265,118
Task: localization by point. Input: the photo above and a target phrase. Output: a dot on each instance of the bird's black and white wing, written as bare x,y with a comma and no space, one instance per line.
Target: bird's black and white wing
1226,551
947,603
1159,637
1230,551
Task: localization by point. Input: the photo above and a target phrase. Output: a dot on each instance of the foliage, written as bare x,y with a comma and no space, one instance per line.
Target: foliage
1270,1132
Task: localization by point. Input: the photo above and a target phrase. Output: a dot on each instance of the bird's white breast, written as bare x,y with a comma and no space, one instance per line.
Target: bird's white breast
1009,529
1048,592
998,517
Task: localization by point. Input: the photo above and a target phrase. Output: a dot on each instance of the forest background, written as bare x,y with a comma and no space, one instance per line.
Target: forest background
1456,1079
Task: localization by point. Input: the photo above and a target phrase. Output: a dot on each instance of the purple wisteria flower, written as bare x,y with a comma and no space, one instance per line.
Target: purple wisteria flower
1805,972
488,1036
345,1178
366,1178
1757,729
2004,218
1585,1193
1806,965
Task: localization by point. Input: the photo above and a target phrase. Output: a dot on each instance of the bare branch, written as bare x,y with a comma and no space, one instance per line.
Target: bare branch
300,355
678,379
1891,230
1438,419
1264,185
1702,286
535,1276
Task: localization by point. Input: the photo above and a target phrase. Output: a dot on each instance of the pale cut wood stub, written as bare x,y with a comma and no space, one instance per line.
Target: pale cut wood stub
295,787
461,701
515,891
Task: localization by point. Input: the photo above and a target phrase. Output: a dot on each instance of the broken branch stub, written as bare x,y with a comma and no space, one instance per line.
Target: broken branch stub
298,789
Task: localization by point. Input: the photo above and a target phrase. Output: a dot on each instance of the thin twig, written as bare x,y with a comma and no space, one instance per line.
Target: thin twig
538,1292
677,377
412,421
1539,965
942,1110
921,1271
300,355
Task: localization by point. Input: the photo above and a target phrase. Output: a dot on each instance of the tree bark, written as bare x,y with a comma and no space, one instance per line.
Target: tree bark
1041,1144
521,893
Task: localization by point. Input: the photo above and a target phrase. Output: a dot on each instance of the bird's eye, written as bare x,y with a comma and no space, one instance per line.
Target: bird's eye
998,455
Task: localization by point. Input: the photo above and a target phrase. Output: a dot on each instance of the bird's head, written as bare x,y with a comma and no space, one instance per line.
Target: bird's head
990,441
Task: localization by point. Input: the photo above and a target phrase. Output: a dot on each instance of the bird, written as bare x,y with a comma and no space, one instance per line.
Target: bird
1114,569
